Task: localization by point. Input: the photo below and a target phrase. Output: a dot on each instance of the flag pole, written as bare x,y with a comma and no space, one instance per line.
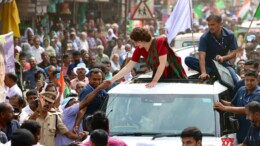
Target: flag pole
191,21
250,24
248,30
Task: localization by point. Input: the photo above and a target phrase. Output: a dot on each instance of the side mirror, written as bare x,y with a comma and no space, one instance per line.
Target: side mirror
234,124
231,124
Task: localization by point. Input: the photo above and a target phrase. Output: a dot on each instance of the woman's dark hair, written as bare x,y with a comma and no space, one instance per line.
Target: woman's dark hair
140,34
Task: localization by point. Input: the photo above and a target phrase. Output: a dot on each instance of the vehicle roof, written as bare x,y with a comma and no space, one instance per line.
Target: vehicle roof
168,88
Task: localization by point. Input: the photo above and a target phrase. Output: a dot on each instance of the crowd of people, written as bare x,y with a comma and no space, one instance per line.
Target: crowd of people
48,112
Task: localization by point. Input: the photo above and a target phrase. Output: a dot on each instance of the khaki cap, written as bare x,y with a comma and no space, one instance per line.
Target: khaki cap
49,96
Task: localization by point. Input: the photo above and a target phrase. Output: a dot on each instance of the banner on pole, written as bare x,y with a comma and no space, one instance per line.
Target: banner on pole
7,44
6,59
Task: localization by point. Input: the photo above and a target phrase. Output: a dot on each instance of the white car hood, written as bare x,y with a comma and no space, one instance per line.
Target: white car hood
165,141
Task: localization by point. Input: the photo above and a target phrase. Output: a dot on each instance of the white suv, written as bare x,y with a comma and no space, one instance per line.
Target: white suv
157,116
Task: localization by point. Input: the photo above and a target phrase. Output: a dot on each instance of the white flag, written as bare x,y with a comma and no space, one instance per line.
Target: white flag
180,19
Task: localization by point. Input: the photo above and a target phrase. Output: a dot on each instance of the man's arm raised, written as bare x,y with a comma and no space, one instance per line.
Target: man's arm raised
86,101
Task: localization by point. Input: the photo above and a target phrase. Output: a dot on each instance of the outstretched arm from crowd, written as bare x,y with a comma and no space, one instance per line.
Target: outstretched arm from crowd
85,102
78,119
130,65
231,109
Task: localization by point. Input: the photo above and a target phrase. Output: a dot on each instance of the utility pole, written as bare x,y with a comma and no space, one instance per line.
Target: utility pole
125,19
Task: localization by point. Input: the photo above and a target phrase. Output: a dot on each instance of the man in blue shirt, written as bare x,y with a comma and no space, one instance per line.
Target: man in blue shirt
7,124
95,79
216,43
249,65
71,108
253,115
76,61
246,94
29,75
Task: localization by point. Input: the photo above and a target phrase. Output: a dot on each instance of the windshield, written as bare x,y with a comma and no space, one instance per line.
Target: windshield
160,114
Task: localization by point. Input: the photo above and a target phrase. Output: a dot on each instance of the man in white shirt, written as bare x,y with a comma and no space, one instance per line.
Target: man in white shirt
18,103
81,71
84,42
16,45
10,82
37,50
31,98
119,48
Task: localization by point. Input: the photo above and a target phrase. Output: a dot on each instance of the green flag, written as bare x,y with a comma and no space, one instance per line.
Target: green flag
257,13
130,28
198,10
220,4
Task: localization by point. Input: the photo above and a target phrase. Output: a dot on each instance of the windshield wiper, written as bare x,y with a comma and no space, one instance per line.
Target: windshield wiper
166,135
132,134
176,134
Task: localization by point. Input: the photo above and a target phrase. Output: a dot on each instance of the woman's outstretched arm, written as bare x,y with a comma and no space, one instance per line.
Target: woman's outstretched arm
159,72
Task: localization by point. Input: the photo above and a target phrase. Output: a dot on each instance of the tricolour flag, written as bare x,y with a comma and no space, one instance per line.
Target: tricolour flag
257,12
244,10
179,20
62,83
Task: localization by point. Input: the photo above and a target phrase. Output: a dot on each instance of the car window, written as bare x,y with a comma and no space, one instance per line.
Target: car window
160,113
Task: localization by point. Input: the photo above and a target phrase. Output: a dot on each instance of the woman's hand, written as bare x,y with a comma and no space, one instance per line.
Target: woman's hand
151,84
105,84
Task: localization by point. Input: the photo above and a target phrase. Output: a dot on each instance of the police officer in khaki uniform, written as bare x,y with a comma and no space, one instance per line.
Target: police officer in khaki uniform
50,122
